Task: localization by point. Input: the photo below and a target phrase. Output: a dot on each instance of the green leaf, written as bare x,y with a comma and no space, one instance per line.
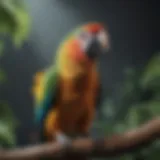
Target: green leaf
7,136
14,20
8,124
23,25
154,108
151,75
133,118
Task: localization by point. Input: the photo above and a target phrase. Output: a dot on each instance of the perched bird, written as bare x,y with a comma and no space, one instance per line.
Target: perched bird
67,94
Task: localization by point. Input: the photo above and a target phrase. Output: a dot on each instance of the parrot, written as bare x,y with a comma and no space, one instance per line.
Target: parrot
67,93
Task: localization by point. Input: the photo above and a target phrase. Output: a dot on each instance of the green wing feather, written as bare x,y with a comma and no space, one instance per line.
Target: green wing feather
48,98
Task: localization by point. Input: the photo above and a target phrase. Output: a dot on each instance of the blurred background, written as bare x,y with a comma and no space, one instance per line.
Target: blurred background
30,32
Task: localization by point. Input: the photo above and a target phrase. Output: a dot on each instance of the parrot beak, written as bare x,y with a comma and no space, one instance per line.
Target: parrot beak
98,45
104,40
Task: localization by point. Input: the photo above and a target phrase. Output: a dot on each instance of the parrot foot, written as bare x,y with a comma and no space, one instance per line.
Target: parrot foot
63,139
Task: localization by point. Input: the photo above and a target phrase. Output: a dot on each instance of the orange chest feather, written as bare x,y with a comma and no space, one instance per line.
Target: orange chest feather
81,92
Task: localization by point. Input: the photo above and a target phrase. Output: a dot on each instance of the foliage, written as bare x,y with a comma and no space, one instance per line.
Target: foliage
14,21
138,103
8,124
14,24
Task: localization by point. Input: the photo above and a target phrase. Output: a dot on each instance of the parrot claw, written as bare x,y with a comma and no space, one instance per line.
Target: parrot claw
63,139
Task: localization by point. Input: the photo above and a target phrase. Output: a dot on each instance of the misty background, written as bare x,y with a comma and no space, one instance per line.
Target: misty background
133,26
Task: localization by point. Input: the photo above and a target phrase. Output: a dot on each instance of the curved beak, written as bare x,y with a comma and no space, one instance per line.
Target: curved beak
98,45
104,40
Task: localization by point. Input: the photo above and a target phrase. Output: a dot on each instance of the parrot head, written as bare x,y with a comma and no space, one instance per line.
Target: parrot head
88,42
84,45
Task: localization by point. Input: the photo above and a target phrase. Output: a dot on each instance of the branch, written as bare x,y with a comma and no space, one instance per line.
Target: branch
110,146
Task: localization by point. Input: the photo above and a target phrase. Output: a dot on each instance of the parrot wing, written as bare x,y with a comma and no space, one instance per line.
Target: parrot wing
45,92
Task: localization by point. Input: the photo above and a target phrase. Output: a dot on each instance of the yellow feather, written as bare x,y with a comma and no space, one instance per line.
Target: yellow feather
37,88
50,123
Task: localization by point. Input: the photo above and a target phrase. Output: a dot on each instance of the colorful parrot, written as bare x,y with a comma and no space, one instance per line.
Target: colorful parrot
66,94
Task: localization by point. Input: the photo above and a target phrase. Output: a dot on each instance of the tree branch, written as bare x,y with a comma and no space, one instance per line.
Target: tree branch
110,146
